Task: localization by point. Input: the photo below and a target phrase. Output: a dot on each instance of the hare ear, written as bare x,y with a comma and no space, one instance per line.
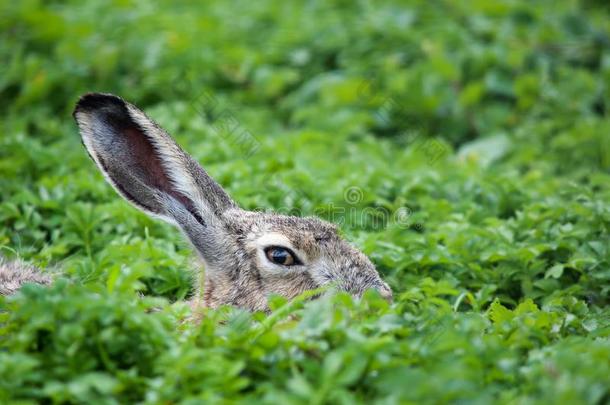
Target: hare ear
146,166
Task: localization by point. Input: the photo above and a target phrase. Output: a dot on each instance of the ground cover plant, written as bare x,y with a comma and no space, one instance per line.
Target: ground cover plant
464,146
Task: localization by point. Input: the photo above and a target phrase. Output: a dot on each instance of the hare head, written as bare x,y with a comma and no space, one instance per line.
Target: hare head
247,255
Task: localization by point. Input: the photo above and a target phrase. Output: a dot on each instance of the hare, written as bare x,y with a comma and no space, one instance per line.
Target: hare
246,255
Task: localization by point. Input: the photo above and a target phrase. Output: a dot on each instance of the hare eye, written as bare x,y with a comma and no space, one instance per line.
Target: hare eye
282,256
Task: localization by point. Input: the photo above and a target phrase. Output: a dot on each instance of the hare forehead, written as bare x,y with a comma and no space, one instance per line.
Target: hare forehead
262,236
301,233
290,284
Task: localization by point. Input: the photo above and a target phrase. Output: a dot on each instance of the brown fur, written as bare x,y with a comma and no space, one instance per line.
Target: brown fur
145,165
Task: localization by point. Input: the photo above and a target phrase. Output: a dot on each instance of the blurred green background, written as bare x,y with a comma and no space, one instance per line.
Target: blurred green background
464,146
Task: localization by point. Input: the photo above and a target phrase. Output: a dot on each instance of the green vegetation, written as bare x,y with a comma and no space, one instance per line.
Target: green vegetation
464,146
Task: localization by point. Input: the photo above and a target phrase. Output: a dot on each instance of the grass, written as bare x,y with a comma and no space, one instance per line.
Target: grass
463,146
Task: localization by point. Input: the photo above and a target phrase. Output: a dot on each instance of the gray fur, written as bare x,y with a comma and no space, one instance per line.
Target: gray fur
145,165
13,274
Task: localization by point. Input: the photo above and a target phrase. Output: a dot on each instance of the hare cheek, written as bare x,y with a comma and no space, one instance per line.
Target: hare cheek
322,275
290,285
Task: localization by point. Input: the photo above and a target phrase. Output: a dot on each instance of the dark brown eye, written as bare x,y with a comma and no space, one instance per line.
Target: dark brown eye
281,256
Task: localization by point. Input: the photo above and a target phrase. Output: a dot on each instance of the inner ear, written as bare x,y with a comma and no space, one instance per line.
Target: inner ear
145,159
150,167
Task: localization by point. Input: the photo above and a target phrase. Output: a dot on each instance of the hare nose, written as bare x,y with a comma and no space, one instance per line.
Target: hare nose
386,292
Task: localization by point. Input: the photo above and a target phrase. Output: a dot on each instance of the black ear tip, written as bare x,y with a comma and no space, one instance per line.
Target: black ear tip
95,101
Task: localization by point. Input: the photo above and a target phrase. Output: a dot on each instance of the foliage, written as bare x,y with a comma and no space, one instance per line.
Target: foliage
464,146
